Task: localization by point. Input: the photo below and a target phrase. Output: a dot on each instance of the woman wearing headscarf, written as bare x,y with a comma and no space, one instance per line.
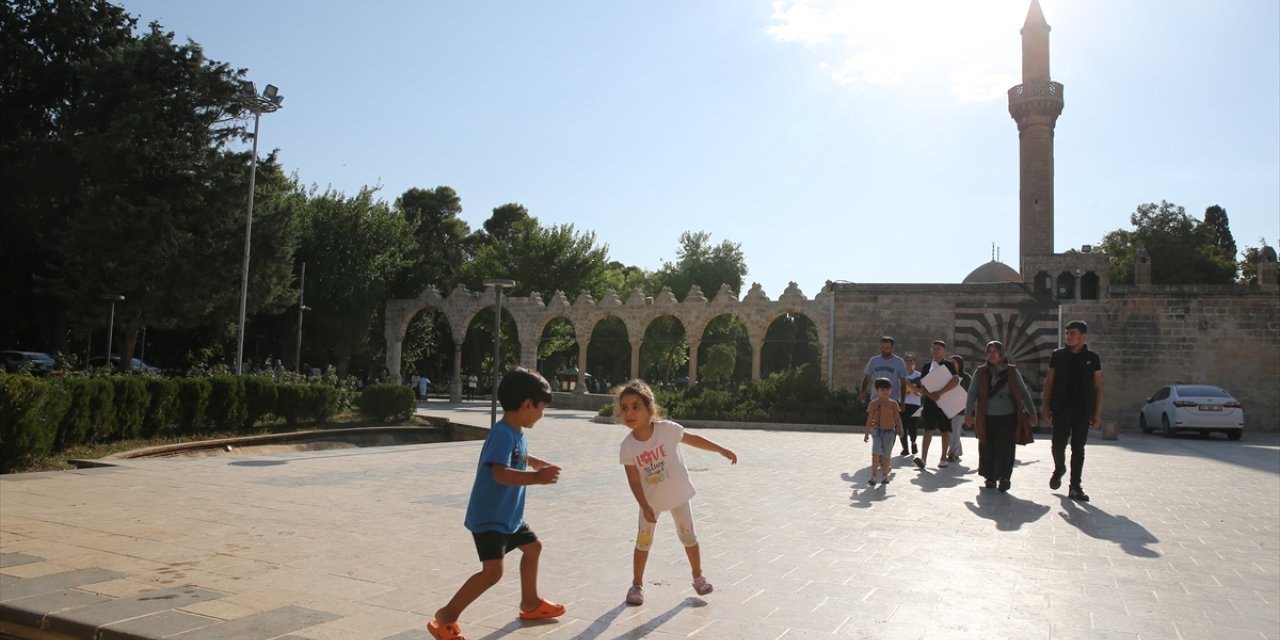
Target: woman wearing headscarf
996,395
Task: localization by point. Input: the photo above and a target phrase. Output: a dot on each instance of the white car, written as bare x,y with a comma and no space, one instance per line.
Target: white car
1192,407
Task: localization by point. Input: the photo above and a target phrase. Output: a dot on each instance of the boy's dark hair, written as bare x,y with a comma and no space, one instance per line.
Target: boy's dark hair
1078,325
883,383
888,339
521,384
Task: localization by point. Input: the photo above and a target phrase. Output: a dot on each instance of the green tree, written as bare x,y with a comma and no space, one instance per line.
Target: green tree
538,258
1183,249
706,265
115,160
1215,218
354,247
443,242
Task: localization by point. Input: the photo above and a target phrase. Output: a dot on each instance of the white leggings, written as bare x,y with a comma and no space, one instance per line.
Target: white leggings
683,515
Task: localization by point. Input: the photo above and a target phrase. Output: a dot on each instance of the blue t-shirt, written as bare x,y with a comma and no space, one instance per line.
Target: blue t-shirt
894,369
494,506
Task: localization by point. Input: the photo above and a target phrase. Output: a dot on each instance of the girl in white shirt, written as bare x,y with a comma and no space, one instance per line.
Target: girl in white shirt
659,479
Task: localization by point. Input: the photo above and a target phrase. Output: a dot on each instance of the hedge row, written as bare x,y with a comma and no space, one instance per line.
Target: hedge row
39,416
797,396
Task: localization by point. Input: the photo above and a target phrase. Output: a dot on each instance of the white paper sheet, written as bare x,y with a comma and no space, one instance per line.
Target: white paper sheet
951,402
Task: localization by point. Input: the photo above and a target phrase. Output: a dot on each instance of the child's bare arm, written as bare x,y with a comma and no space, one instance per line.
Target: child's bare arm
547,474
538,463
633,481
699,442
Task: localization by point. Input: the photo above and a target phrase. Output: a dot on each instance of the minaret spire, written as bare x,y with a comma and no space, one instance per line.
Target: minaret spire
1035,105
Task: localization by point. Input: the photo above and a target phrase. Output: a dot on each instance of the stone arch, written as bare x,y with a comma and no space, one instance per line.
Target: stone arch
1043,283
531,315
741,346
786,346
1066,286
1090,286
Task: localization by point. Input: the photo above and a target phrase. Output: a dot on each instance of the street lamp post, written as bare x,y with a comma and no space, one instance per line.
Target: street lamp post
498,285
111,328
297,352
269,101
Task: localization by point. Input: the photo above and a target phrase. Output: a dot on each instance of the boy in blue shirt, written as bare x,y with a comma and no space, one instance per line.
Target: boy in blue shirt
495,514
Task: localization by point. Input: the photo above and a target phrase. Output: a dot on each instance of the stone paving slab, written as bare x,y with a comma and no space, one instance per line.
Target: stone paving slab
1182,540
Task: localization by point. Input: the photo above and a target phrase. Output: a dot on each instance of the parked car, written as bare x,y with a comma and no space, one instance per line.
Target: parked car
136,365
39,364
1192,407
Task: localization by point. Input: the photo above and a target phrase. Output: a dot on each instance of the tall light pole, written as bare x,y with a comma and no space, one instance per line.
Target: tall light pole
111,328
498,285
269,101
297,353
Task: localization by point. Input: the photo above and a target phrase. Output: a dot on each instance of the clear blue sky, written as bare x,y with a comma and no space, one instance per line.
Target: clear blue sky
835,140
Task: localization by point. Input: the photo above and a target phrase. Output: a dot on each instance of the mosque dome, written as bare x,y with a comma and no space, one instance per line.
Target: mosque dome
994,271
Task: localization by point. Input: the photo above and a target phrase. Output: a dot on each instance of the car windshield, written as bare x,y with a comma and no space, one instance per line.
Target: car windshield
1202,391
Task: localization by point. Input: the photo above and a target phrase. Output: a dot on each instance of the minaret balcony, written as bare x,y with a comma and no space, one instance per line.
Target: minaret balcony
1038,98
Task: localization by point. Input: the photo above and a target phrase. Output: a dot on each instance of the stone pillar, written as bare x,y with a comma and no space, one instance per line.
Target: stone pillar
1142,267
693,362
394,347
757,349
635,357
581,387
1267,266
455,383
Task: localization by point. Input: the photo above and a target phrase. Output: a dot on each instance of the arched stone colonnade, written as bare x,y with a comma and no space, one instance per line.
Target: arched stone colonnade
532,314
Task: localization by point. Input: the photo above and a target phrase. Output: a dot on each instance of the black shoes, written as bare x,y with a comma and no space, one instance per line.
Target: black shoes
914,449
919,463
1055,480
1004,486
904,453
990,484
1077,494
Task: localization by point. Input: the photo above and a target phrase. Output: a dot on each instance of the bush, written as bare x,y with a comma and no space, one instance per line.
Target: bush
259,398
162,406
130,406
607,410
793,396
387,402
322,402
91,412
291,402
29,413
193,400
226,410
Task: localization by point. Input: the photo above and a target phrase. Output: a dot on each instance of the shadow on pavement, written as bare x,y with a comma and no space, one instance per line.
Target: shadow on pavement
933,480
1257,450
1096,523
1007,511
601,624
865,495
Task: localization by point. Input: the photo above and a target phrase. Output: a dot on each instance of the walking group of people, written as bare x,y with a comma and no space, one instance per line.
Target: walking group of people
998,405
659,480
656,474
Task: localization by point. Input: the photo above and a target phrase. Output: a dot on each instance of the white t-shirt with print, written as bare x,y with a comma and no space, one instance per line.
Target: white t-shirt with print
663,476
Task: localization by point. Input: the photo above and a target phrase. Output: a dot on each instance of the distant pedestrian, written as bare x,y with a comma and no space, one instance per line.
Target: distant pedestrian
659,480
997,394
412,383
1072,404
957,421
884,419
472,383
424,385
495,514
910,405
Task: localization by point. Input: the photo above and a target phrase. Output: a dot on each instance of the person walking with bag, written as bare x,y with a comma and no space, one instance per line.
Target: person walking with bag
998,395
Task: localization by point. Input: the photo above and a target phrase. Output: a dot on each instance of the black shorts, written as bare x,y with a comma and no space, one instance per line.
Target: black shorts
493,545
935,419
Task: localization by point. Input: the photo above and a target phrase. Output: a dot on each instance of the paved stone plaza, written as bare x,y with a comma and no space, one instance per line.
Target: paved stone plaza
1182,540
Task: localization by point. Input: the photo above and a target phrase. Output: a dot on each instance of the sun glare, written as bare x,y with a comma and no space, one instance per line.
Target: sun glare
971,45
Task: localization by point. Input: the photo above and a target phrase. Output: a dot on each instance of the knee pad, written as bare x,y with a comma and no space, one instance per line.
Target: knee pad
688,538
644,541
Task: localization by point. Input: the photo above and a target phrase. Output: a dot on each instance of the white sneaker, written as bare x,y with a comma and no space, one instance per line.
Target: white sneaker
635,595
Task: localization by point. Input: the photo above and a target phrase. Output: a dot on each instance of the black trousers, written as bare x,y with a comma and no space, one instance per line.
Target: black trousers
1070,425
995,456
909,423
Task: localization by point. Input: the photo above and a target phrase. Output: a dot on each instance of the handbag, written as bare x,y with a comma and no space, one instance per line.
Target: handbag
1024,434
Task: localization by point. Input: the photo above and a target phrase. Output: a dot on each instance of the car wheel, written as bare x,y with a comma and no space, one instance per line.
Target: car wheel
1235,434
1168,430
1142,423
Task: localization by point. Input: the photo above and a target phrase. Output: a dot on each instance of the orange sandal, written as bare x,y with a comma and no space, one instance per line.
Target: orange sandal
545,609
449,631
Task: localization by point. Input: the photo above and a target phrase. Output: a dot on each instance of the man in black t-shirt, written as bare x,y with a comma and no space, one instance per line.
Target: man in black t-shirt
1072,404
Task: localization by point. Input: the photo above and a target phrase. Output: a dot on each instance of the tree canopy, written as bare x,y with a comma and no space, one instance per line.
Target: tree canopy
1183,250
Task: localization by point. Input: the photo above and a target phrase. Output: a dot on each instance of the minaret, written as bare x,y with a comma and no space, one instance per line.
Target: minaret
1035,105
